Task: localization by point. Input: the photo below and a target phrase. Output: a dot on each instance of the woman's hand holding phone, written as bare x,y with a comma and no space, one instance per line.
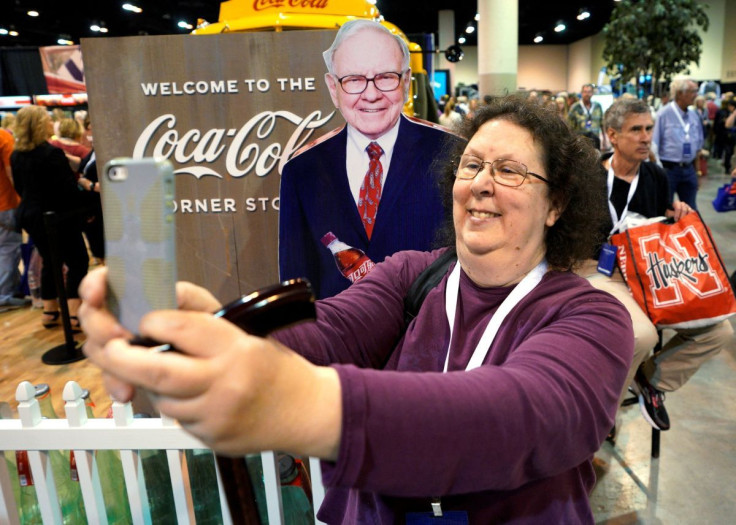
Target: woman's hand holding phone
236,392
102,327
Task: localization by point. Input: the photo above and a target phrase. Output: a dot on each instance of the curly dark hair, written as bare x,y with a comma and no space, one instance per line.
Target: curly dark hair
572,166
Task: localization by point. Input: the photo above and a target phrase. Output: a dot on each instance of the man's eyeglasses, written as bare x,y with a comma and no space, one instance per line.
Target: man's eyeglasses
356,84
503,171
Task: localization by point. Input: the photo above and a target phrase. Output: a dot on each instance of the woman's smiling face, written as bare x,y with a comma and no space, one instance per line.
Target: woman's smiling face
500,224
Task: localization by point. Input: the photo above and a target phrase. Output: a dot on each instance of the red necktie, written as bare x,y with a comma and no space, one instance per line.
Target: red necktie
370,190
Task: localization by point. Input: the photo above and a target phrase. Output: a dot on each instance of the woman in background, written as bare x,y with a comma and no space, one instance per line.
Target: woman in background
450,118
562,107
45,182
70,134
8,122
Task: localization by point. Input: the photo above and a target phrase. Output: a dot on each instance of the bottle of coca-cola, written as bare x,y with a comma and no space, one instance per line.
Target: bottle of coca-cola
353,263
68,492
112,478
296,491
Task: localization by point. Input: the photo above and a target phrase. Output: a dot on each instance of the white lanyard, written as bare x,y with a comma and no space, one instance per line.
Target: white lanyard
685,127
632,189
588,113
520,291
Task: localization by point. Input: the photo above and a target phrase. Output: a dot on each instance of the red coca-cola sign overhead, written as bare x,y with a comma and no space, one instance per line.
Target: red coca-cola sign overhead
260,5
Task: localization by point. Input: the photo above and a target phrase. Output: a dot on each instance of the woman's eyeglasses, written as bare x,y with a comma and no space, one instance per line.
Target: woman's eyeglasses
503,171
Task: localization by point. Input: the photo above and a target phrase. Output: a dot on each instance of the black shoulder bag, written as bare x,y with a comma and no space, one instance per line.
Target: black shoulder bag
425,282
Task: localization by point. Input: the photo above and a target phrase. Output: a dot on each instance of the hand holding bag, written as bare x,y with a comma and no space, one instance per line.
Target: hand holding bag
725,198
675,273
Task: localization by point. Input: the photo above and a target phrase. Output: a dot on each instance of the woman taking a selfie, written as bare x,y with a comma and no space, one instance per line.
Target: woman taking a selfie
490,403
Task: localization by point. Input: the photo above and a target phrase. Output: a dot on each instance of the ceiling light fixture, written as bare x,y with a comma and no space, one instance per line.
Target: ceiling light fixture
32,13
538,38
185,25
470,29
583,14
477,16
132,8
560,27
13,33
461,40
3,31
64,42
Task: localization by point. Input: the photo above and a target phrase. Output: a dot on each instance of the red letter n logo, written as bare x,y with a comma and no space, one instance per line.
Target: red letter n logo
679,271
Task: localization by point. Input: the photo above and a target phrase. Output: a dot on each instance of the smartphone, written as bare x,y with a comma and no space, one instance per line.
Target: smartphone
140,232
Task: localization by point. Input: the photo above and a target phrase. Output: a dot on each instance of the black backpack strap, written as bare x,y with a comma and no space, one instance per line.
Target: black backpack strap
425,282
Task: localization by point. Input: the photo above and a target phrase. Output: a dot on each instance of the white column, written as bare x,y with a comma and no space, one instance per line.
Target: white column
498,46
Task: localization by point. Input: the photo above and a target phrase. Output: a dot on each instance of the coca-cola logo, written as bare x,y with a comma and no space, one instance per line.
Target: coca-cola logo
260,5
678,267
362,271
246,150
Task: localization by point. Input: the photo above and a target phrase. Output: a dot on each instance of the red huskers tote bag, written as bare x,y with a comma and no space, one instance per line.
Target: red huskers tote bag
675,273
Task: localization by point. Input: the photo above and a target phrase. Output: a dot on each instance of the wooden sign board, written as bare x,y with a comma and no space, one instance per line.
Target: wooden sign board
228,111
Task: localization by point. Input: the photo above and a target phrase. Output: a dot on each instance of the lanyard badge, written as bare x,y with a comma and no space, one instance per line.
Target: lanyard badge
618,221
687,150
450,517
607,259
526,285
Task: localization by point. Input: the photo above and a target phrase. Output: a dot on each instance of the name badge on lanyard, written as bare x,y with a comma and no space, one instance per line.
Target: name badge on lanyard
448,517
607,258
589,115
617,221
526,285
687,150
452,294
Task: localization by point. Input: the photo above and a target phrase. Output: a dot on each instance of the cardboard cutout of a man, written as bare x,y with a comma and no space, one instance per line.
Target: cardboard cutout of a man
371,182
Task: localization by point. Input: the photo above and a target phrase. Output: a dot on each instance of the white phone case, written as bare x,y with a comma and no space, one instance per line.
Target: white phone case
137,199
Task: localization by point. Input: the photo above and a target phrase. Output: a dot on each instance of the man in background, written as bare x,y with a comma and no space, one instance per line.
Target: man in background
639,187
585,116
371,182
712,108
10,239
678,136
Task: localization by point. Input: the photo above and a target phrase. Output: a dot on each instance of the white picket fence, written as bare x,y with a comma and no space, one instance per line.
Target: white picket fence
128,435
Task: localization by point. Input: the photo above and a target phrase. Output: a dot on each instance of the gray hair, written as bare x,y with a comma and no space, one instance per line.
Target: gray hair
622,108
679,84
353,27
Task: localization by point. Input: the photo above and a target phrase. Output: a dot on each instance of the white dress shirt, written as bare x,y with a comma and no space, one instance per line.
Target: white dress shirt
356,156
